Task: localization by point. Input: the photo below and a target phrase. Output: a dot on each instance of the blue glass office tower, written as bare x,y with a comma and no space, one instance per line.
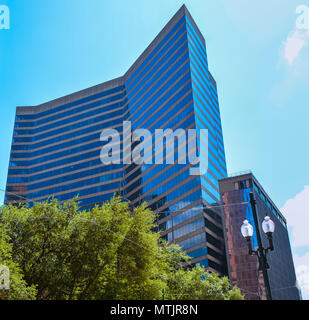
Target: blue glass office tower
56,145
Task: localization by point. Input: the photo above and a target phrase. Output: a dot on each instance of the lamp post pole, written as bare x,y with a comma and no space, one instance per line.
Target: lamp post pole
261,252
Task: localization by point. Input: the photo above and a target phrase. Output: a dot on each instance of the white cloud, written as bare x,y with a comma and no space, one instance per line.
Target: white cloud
295,42
296,210
302,273
293,68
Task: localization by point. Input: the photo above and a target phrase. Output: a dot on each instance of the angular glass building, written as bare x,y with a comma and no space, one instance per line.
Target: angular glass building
56,145
243,269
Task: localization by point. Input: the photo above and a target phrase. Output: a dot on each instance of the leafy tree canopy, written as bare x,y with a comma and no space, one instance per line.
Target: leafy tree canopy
58,251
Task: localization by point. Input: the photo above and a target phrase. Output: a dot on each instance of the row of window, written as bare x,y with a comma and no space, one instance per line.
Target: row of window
197,46
193,241
55,172
67,106
188,228
167,187
199,43
175,57
81,126
200,75
54,164
78,175
79,184
166,96
113,187
138,73
178,206
80,113
98,128
269,205
198,253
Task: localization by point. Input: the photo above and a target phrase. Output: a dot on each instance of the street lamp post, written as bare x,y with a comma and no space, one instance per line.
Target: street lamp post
268,227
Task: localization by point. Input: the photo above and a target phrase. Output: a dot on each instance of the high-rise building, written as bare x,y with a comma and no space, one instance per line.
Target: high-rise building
243,268
56,145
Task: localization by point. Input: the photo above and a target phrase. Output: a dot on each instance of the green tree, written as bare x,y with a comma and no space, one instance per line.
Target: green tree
199,284
18,288
110,252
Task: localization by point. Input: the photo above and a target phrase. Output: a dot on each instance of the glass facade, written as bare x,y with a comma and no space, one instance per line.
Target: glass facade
243,269
56,146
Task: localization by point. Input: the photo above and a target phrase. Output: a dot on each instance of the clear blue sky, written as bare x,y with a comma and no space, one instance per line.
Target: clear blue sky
260,63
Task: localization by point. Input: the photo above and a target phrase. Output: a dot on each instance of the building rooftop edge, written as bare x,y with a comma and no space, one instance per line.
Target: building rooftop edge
168,26
110,83
71,97
21,110
250,174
